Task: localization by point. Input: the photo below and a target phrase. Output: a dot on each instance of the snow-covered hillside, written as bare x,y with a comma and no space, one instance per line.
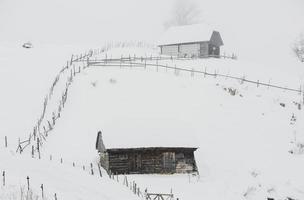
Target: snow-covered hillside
63,179
244,138
244,132
249,136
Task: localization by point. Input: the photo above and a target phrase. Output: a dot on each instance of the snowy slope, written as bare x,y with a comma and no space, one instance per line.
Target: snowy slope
249,133
66,181
243,140
26,78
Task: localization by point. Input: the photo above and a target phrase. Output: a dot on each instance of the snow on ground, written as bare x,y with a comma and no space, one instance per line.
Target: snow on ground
26,76
243,139
66,181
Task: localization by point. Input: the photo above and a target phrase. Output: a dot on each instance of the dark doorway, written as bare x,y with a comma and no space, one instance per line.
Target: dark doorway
169,161
135,163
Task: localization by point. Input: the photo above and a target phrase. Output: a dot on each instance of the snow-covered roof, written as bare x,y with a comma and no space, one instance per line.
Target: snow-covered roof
148,132
186,34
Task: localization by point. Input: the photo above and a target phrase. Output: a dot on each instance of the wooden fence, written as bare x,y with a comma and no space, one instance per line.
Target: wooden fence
159,196
146,61
153,57
40,131
37,137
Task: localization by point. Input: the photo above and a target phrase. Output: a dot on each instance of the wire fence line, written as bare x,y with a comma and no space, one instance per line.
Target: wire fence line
44,125
94,169
40,131
130,62
151,57
146,61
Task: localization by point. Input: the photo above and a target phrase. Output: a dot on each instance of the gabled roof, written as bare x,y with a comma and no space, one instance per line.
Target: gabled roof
148,132
189,34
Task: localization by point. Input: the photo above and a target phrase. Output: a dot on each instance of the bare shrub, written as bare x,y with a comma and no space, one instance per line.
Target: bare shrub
298,47
185,12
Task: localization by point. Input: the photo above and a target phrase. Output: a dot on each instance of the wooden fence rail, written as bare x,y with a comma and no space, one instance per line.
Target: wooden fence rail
36,134
159,196
121,63
159,58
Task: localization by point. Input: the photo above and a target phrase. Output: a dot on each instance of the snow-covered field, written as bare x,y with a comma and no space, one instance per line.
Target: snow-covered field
64,180
250,137
244,139
237,135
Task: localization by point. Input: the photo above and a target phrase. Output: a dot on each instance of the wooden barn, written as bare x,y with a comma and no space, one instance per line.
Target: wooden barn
125,157
198,41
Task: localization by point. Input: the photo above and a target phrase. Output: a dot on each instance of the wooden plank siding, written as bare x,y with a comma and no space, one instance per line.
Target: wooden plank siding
150,160
171,50
199,49
204,49
189,50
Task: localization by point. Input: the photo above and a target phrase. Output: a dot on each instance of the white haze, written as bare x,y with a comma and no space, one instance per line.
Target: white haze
252,29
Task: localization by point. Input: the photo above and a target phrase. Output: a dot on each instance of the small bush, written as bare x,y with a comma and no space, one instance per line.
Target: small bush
298,47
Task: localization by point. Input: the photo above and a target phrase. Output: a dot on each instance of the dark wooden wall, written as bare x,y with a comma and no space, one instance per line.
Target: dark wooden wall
150,161
214,50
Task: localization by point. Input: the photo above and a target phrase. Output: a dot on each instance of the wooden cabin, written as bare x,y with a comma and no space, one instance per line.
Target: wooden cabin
146,160
198,41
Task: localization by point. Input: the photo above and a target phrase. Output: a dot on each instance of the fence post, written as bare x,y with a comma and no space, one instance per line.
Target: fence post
146,193
71,59
134,187
92,172
5,141
120,61
55,196
28,183
3,176
130,59
99,170
32,151
38,148
74,71
42,191
205,72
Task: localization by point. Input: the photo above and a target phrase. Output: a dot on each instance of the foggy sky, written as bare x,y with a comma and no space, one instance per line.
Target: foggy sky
267,22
